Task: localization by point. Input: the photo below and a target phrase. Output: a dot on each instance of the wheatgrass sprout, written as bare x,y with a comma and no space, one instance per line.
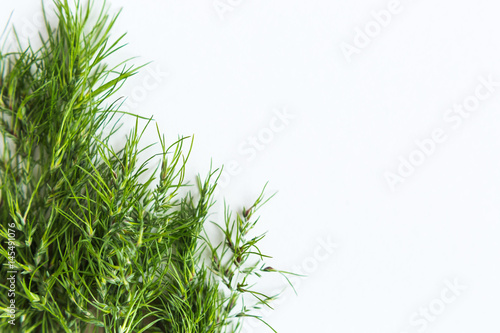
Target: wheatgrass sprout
86,244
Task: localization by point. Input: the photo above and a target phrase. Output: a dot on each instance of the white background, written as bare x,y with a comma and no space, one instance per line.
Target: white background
353,119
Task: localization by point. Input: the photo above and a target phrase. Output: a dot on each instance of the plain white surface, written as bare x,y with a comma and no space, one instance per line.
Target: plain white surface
396,252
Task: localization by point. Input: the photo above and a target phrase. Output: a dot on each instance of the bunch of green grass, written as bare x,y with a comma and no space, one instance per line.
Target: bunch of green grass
95,248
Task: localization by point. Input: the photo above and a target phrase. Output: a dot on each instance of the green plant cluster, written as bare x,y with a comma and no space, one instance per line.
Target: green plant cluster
100,241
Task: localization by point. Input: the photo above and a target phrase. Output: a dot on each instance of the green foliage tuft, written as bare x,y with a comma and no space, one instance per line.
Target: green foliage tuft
96,247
